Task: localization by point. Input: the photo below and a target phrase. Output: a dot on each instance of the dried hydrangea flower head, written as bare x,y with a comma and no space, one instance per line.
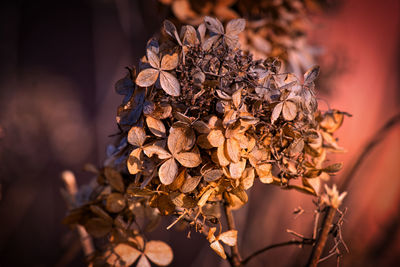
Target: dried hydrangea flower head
275,28
201,121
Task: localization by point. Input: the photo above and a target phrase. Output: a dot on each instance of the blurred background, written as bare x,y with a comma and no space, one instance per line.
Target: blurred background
59,61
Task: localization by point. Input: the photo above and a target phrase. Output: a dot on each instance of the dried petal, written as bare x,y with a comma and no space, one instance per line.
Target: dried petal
214,25
190,184
276,112
216,138
136,136
189,159
229,237
156,127
127,253
213,175
217,247
169,62
153,59
115,202
159,151
169,83
235,26
289,110
232,149
147,77
115,179
168,171
134,162
236,169
159,252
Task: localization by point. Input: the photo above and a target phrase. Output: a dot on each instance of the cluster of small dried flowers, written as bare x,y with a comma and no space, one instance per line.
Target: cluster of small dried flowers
275,28
200,122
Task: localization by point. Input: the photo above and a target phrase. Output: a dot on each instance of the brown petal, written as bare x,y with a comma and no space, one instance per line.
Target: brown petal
213,175
232,149
156,127
236,169
219,249
311,75
169,83
134,162
181,138
190,184
147,77
170,29
98,227
143,262
289,110
169,62
214,25
159,151
235,26
114,178
189,159
136,136
115,202
276,112
168,171
159,252
221,156
153,59
127,253
229,237
216,138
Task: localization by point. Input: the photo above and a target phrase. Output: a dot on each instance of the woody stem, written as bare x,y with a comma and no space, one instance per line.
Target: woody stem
235,259
322,237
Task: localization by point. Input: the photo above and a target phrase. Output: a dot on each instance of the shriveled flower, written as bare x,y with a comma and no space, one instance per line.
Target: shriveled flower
331,197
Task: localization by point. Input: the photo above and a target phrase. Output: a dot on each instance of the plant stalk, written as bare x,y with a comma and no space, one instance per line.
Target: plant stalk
322,237
235,259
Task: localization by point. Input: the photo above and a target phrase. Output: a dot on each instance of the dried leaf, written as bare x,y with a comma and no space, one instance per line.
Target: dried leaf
221,157
206,195
236,169
115,202
127,253
143,262
248,178
134,162
189,159
214,25
311,75
229,237
169,83
114,178
216,138
264,173
276,112
168,171
212,175
136,136
147,77
333,168
289,110
235,26
170,29
169,62
232,149
98,227
190,184
156,127
237,98
217,247
159,252
159,151
153,59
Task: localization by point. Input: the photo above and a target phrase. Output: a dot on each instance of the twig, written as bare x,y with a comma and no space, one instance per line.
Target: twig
375,140
322,237
70,193
235,259
305,241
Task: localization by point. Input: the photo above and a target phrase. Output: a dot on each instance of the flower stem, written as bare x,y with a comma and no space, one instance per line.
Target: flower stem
235,259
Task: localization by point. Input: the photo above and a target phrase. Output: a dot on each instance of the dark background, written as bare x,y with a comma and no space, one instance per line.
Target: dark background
59,61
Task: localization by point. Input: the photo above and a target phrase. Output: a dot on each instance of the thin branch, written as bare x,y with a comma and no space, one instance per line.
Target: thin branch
322,237
235,258
69,194
305,241
375,140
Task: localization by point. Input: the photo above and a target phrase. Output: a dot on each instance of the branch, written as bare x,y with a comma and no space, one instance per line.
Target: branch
322,237
235,259
375,140
69,194
305,241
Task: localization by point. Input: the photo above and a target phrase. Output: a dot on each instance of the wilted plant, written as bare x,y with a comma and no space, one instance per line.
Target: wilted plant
274,28
201,121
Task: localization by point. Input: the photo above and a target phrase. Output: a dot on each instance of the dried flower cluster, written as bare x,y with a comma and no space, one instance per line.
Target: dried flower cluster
200,122
275,28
